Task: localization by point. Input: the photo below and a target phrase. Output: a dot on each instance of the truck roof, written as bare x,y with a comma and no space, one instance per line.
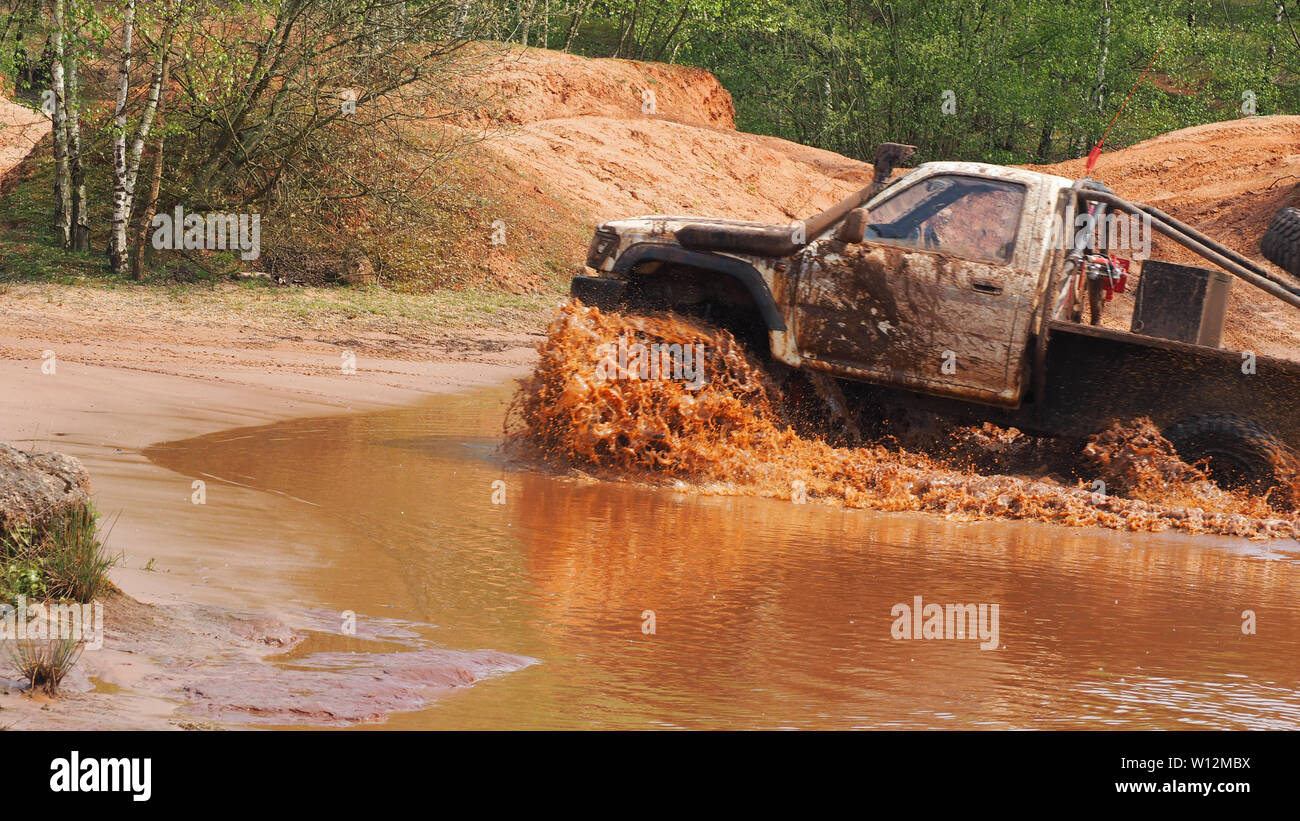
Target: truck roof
1022,175
670,222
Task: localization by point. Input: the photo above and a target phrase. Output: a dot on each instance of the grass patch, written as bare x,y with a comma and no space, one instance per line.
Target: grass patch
45,663
461,307
65,560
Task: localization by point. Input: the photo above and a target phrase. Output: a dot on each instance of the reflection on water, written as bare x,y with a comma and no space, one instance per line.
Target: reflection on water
767,614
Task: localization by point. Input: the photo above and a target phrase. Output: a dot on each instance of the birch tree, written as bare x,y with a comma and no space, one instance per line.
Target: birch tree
150,204
117,253
58,97
73,45
127,149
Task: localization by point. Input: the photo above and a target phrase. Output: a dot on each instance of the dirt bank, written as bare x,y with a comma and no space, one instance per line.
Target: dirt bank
20,130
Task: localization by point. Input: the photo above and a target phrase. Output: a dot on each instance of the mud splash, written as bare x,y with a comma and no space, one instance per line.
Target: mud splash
728,438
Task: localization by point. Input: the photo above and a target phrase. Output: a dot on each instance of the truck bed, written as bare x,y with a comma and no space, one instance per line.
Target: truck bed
1096,374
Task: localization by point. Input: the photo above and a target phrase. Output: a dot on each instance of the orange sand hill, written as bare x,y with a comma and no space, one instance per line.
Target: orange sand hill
577,125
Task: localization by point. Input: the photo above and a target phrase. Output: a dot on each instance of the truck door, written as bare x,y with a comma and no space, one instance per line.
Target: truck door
929,299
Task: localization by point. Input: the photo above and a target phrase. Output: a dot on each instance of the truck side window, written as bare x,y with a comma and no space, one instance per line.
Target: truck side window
964,216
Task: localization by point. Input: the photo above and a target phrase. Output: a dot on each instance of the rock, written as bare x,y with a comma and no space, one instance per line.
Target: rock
357,269
38,487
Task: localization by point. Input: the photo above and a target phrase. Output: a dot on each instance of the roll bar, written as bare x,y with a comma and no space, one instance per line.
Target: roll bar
1193,240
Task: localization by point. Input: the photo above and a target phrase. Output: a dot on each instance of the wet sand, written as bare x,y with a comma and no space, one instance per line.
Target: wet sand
206,590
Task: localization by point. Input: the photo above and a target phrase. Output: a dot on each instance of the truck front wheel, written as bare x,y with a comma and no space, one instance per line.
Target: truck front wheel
1239,453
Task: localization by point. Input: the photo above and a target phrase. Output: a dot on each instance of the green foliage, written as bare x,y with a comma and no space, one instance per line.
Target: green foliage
1029,79
63,560
23,578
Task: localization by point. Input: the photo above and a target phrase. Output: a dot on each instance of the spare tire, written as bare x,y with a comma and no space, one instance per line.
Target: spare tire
1239,453
1281,243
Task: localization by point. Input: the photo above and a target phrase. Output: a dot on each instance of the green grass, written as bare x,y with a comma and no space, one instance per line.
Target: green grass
63,560
466,306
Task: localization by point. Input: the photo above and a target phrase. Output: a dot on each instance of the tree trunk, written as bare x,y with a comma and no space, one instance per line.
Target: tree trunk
126,162
525,18
1103,52
80,217
1045,140
462,11
578,15
681,18
627,29
155,170
62,179
117,250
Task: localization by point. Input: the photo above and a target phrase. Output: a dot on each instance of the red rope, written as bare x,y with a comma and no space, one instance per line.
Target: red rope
1096,151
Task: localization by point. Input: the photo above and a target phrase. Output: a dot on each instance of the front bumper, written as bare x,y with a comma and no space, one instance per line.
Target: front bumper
603,292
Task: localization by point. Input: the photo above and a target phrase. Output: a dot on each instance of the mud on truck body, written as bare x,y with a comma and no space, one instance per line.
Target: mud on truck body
959,288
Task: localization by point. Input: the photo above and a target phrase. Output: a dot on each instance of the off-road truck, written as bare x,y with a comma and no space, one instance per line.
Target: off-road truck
960,288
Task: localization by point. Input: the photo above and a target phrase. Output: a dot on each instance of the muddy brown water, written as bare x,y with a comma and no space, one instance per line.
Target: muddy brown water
767,614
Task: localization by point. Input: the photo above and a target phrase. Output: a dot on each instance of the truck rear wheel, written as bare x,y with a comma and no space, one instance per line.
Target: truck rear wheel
1239,453
1281,243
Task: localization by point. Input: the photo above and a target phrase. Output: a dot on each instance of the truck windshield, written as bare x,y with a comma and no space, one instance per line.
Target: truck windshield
964,216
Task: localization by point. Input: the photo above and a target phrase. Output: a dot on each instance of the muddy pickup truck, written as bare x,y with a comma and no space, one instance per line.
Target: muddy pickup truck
960,288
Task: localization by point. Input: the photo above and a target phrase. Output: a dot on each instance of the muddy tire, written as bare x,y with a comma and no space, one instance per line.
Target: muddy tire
1281,243
800,406
1240,453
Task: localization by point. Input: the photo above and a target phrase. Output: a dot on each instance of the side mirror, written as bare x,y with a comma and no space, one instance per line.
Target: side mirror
888,157
854,226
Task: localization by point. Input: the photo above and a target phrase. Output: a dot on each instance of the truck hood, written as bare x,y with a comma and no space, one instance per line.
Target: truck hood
667,224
